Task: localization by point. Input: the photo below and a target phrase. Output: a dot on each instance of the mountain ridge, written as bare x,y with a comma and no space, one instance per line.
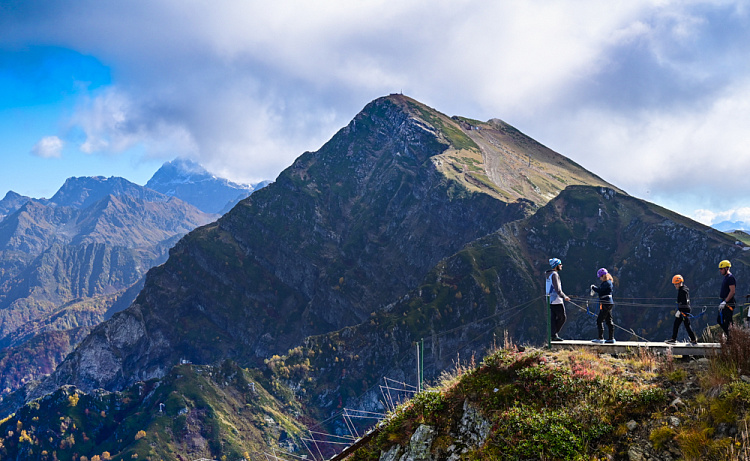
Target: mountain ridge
341,233
66,261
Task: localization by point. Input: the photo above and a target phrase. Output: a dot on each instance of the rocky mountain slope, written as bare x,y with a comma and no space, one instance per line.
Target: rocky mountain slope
341,233
66,261
190,182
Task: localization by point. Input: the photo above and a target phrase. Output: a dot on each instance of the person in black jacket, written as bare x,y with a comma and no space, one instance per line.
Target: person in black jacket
606,304
728,303
683,310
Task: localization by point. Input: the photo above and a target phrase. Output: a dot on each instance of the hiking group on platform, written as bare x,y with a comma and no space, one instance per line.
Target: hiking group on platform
557,296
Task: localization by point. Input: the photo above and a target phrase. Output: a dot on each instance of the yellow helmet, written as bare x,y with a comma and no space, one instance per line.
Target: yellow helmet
724,264
677,279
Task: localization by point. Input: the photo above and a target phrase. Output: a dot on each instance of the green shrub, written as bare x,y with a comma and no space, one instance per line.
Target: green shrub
525,433
429,404
661,435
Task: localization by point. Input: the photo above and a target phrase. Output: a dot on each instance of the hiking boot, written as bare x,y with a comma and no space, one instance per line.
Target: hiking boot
671,341
599,341
610,341
556,338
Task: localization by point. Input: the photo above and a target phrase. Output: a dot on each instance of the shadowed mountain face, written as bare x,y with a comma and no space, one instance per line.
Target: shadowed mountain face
495,286
342,233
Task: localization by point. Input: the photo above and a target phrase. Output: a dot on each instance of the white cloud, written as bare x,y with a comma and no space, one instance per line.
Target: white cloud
710,217
48,147
699,153
113,123
645,93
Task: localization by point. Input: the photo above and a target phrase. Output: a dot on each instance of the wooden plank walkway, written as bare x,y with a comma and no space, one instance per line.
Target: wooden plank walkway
700,349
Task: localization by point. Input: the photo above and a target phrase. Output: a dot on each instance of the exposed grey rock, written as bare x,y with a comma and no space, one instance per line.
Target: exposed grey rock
420,444
392,454
677,402
674,421
636,453
631,425
473,427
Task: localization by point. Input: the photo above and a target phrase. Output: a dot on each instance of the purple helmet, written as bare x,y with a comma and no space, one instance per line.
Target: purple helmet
601,272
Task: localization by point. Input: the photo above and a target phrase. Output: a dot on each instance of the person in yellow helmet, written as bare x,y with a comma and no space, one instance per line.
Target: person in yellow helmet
728,303
683,310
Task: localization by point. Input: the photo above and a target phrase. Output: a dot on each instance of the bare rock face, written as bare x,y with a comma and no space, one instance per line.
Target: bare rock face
473,427
99,360
472,432
420,444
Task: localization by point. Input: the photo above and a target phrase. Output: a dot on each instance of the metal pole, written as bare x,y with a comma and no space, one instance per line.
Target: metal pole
421,363
419,384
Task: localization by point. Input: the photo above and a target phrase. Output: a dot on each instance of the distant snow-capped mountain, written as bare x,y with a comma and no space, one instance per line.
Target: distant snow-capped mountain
190,182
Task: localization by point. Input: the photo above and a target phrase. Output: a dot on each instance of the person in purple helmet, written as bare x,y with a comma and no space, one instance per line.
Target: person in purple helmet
556,296
606,304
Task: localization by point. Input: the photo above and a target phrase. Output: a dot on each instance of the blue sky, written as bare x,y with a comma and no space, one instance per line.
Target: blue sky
654,96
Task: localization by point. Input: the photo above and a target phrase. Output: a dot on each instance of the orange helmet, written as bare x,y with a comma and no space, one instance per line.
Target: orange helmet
677,279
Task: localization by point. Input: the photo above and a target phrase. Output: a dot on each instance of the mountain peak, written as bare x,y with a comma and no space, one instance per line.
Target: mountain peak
191,182
11,202
82,192
177,170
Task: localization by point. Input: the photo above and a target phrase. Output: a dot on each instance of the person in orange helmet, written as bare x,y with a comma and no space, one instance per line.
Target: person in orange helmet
683,310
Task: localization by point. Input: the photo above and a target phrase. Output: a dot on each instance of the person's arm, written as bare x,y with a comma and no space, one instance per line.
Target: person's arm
732,289
558,286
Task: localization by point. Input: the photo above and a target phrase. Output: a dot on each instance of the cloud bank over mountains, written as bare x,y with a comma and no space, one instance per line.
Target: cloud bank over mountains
651,95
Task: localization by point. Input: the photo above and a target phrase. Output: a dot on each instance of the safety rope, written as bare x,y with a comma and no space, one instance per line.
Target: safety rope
631,331
703,307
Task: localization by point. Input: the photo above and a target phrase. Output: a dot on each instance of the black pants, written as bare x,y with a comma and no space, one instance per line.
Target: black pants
725,318
557,311
605,316
683,318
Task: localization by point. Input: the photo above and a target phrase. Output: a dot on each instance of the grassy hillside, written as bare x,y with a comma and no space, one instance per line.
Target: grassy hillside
215,412
571,405
741,236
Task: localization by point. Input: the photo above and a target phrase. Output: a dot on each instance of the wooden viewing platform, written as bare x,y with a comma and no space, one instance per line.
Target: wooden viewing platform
680,348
